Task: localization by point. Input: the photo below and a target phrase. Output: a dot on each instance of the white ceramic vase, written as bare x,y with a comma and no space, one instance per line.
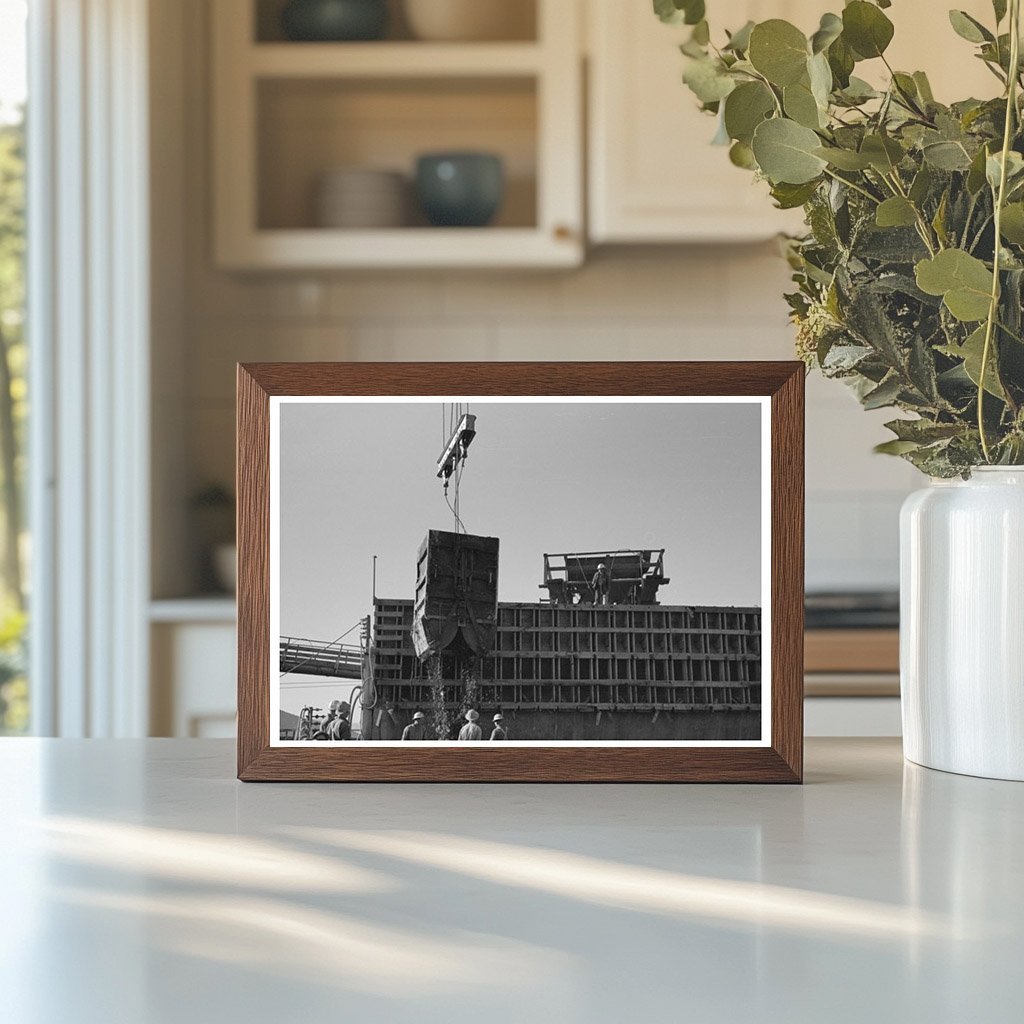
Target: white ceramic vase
962,624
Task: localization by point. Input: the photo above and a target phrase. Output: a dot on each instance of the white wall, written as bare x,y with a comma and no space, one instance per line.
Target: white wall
656,303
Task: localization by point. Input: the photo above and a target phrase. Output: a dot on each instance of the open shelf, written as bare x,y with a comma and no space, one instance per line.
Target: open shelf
286,114
406,248
393,60
308,127
520,17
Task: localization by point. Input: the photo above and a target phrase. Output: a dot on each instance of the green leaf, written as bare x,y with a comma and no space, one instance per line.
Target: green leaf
858,91
906,90
785,152
1014,169
887,393
969,28
896,212
841,60
939,220
896,447
800,105
820,76
924,87
866,29
923,431
778,50
976,173
829,30
676,12
745,108
1012,225
971,352
694,49
999,7
739,41
694,11
963,281
708,80
789,197
883,153
741,155
844,159
921,185
947,156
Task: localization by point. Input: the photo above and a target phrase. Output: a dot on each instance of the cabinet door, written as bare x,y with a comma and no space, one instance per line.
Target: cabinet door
653,175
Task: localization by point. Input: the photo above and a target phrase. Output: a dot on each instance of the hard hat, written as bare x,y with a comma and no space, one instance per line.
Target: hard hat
499,717
418,716
601,566
334,705
471,715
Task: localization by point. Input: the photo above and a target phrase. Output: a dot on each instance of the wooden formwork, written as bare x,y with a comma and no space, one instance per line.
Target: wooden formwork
642,657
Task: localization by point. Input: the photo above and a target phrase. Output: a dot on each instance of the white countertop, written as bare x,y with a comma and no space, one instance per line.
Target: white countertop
142,884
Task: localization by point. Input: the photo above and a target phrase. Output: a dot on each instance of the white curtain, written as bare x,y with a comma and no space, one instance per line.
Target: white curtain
88,318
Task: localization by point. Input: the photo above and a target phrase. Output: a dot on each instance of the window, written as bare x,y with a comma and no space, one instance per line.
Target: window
14,548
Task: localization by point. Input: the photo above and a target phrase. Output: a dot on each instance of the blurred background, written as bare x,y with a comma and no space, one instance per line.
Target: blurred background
244,180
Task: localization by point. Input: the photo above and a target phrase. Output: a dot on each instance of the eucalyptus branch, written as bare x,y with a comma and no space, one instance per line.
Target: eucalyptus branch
891,288
771,89
1000,199
923,227
981,231
853,185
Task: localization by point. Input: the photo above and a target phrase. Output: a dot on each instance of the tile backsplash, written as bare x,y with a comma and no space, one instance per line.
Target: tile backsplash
719,302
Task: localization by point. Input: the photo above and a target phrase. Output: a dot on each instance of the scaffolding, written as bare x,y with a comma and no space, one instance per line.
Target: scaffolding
622,657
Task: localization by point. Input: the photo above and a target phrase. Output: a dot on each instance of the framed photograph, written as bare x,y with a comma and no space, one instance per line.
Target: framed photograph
520,572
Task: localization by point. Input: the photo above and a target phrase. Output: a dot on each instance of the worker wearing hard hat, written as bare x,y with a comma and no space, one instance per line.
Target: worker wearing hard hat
337,726
418,729
599,584
499,728
471,731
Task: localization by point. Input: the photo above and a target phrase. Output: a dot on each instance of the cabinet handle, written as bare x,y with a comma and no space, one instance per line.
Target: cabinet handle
563,232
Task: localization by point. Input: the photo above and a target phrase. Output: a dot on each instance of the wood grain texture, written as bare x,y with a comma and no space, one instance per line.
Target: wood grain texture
782,762
252,487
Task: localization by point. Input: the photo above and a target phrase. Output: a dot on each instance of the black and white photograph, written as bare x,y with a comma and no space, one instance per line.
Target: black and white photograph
520,571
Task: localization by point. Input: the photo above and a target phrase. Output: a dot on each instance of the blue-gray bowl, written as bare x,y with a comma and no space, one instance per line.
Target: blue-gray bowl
461,190
332,21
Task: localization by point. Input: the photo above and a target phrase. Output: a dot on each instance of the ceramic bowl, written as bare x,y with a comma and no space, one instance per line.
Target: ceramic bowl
334,20
460,189
469,20
358,197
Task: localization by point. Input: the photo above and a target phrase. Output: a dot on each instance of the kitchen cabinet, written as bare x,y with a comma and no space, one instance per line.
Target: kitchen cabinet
653,175
286,113
192,647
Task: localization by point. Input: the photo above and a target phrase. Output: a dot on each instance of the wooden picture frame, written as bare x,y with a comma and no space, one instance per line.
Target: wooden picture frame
779,759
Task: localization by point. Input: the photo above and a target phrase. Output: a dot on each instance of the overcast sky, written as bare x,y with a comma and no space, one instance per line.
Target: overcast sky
359,480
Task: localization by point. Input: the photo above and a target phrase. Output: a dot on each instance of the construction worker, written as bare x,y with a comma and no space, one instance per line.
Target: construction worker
471,731
499,728
337,726
321,725
418,729
600,583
